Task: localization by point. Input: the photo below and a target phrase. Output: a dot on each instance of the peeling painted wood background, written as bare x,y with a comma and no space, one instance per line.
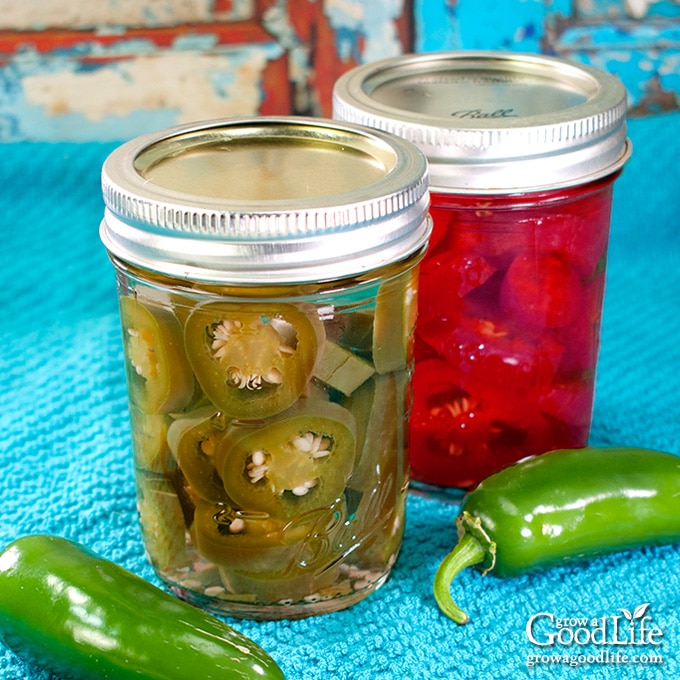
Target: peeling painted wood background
112,69
637,40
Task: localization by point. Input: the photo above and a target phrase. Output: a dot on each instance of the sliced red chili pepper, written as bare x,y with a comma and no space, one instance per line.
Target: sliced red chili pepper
441,230
486,350
500,240
574,238
543,290
458,435
446,423
445,279
571,404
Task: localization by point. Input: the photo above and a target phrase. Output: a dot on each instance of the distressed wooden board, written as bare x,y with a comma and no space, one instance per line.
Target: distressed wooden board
36,15
637,40
112,69
68,87
350,32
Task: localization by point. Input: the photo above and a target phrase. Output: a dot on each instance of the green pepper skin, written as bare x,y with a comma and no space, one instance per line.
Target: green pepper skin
84,618
560,506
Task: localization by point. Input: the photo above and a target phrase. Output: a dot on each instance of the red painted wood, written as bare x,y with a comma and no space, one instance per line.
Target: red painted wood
48,41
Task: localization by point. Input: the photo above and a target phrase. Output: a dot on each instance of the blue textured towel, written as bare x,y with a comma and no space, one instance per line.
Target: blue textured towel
66,466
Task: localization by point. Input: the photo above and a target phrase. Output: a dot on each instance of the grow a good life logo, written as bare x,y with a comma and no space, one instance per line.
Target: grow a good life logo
630,637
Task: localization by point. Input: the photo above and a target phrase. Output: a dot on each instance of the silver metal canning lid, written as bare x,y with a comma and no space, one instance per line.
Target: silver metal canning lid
265,200
493,122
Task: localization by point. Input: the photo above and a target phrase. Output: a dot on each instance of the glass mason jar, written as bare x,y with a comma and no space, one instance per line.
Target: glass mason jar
267,278
523,152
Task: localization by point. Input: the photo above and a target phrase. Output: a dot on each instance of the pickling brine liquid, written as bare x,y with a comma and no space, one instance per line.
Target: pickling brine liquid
269,435
510,301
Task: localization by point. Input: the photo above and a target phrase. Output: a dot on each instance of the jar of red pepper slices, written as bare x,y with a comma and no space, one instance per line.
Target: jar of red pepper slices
523,152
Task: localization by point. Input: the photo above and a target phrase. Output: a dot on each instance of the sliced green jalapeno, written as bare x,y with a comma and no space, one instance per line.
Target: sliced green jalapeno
394,323
162,522
149,443
254,360
341,369
242,540
378,416
378,481
563,505
193,440
270,559
158,374
291,463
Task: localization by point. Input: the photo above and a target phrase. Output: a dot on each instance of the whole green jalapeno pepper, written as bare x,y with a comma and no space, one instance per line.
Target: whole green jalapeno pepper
85,618
559,506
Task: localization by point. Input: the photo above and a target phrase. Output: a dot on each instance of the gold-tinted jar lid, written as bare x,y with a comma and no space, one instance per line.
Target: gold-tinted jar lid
267,199
493,122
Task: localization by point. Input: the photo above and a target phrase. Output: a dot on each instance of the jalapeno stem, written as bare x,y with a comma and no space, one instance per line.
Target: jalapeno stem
468,552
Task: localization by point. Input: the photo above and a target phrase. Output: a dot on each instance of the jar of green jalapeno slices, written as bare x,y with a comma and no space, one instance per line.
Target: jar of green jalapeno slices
267,278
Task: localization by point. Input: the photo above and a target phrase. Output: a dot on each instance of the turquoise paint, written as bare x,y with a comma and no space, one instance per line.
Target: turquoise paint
436,26
489,25
364,29
642,52
202,42
478,25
